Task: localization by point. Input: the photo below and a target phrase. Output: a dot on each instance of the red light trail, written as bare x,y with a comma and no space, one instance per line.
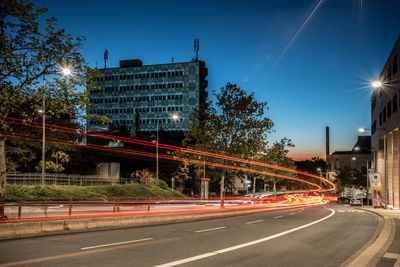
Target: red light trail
53,127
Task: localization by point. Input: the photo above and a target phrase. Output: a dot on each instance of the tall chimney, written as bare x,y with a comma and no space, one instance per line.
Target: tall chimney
105,58
327,142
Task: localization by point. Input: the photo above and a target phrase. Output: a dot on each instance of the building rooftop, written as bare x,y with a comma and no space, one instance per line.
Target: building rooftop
362,146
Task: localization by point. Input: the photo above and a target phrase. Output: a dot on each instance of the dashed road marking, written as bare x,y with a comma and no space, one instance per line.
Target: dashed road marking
293,213
240,246
116,244
255,222
210,229
277,217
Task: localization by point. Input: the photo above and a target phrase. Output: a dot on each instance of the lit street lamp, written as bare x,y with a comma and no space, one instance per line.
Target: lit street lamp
367,161
377,84
65,71
361,130
175,118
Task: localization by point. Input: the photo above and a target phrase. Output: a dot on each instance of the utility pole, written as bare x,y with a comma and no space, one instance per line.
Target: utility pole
222,190
44,140
254,186
2,174
157,152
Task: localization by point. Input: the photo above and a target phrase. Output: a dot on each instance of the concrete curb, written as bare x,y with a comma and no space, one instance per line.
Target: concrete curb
371,252
51,227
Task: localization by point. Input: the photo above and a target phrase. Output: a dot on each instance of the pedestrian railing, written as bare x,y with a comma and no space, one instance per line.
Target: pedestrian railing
61,179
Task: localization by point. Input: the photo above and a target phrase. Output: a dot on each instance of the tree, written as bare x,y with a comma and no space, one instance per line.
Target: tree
278,154
235,126
146,177
30,58
181,175
60,157
312,165
347,177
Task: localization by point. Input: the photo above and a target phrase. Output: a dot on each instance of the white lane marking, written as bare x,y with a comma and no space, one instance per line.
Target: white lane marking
351,210
116,244
217,252
277,217
293,213
255,222
211,229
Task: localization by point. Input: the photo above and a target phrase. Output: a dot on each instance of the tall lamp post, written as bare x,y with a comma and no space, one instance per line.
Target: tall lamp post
157,127
367,161
65,71
175,118
43,112
361,130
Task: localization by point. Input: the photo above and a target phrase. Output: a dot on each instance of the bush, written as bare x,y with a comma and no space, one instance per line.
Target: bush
65,192
162,184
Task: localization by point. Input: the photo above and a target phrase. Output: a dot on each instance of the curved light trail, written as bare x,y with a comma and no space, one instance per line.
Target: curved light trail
163,156
170,147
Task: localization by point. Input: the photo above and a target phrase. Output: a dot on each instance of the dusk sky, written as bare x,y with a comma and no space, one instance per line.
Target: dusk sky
311,60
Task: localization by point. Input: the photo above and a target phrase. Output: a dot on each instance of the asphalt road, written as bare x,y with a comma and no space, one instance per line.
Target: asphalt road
318,236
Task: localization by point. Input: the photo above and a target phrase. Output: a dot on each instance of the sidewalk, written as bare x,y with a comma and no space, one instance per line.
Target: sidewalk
384,251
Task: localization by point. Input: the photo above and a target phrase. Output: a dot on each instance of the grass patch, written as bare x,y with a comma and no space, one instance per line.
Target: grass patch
100,192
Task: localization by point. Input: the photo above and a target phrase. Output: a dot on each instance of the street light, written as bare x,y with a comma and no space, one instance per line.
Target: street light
43,112
66,72
376,84
361,130
319,170
366,160
175,117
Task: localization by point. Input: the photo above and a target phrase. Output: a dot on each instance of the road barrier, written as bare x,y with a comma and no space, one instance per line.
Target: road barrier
42,208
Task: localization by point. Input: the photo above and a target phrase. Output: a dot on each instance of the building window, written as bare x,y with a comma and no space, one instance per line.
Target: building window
373,103
384,114
395,65
389,109
380,119
394,100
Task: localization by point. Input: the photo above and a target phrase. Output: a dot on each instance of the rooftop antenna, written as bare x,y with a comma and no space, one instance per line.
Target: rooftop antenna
105,58
196,48
172,60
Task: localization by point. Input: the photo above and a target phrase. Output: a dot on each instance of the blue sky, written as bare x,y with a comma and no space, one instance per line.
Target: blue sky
321,79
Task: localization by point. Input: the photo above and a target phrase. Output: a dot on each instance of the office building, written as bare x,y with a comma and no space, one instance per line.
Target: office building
136,96
356,158
385,124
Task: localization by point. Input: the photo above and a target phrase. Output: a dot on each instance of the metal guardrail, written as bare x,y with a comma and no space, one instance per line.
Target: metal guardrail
61,179
64,209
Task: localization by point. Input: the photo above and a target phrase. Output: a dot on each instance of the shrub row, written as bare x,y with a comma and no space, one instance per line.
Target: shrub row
106,192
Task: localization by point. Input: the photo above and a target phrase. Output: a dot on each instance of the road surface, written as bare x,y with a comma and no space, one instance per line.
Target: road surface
318,236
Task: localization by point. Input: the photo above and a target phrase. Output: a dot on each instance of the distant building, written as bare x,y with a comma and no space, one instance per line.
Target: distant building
136,96
356,158
385,125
